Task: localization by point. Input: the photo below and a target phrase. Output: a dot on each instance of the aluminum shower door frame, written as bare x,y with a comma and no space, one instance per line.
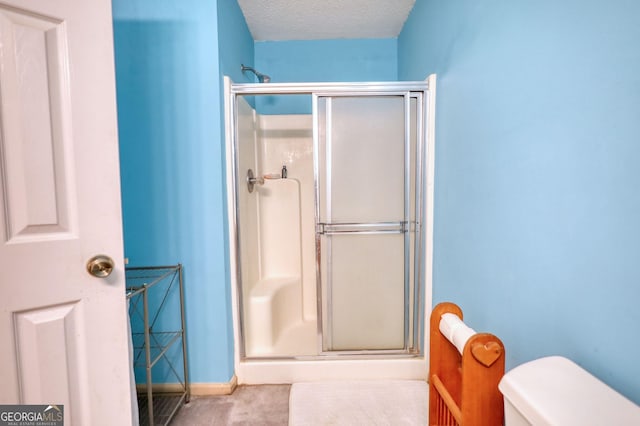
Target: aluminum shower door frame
405,227
416,89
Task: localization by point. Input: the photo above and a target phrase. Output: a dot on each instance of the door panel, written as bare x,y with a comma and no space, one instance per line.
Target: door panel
364,160
35,96
367,291
63,332
55,328
363,211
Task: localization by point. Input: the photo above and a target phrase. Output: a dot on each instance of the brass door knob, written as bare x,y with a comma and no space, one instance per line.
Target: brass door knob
100,266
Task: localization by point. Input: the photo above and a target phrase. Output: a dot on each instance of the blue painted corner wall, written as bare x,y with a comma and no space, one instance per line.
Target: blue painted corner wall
322,60
171,154
537,186
328,60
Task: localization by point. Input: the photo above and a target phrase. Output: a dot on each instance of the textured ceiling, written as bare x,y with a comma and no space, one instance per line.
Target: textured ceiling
325,19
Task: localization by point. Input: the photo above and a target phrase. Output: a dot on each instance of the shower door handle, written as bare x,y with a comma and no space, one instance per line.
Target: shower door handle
362,228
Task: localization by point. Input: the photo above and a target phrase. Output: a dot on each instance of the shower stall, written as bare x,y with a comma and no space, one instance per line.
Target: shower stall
329,191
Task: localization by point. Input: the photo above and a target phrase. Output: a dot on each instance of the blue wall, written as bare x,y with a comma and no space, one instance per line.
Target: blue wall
320,61
328,60
537,194
235,42
169,91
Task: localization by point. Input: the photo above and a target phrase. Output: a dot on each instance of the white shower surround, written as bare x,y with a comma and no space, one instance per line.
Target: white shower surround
276,234
305,368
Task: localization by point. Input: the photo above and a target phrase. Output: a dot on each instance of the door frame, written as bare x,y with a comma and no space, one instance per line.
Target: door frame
325,321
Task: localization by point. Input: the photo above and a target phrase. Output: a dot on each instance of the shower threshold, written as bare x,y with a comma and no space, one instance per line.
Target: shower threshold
274,371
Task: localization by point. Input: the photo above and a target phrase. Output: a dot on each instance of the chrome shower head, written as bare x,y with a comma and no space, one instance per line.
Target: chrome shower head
262,78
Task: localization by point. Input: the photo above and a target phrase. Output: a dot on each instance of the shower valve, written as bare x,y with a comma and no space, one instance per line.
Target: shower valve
252,180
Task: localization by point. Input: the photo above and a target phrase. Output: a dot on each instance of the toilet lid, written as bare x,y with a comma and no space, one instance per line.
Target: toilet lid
556,391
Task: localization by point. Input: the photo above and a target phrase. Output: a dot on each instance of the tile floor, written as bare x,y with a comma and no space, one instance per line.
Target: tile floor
265,405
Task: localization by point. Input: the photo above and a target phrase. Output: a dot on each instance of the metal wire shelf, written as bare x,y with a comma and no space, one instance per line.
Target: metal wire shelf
155,331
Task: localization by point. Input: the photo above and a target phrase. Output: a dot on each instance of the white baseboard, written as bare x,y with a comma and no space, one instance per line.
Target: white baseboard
196,389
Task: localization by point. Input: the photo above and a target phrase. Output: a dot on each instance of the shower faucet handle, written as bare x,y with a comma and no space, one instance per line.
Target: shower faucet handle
283,174
252,180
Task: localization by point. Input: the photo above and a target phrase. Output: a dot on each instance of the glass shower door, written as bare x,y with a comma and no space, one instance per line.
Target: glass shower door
363,221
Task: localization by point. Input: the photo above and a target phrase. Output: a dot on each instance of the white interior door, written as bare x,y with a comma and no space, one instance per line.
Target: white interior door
63,332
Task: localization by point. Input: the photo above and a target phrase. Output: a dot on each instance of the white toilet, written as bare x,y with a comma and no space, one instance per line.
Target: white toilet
556,391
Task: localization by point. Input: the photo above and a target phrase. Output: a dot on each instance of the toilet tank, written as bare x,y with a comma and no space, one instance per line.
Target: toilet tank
556,391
